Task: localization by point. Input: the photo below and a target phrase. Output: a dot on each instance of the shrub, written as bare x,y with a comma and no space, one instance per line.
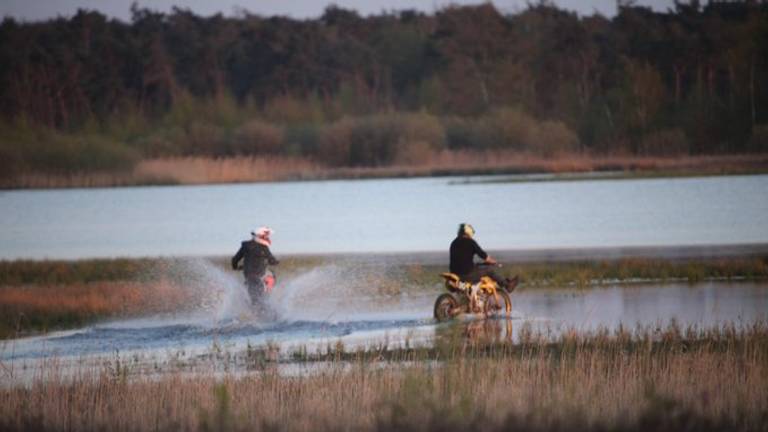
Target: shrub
515,130
666,142
301,139
414,153
164,142
510,129
101,154
422,136
49,151
291,110
374,139
459,133
758,142
381,139
257,136
203,138
554,137
335,141
422,127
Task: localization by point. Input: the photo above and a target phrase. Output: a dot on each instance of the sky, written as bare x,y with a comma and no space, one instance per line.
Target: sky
35,10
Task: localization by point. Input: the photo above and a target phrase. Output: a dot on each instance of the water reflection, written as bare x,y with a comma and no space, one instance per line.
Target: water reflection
704,304
462,333
549,313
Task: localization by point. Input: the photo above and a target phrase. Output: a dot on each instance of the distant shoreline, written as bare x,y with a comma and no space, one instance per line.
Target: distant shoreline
205,170
537,255
565,254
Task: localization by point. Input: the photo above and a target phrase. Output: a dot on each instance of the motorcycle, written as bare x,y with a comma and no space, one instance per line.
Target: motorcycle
484,297
259,291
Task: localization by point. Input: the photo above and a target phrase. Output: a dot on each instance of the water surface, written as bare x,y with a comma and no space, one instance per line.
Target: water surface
403,215
358,318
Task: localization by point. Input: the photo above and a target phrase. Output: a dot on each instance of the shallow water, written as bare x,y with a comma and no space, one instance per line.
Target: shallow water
382,216
361,319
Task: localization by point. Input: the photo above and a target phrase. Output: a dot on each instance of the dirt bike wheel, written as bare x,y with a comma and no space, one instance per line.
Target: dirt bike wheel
503,302
446,307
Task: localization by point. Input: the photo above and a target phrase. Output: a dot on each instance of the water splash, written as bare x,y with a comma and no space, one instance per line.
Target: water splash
229,289
345,290
304,296
212,294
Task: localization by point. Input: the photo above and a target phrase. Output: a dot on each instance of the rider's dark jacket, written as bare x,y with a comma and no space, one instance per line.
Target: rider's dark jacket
462,251
255,258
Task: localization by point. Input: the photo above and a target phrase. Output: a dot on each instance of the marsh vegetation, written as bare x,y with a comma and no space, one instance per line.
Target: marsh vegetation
643,379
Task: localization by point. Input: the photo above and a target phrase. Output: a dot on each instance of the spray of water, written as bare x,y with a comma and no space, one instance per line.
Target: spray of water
212,295
216,296
305,296
341,291
227,289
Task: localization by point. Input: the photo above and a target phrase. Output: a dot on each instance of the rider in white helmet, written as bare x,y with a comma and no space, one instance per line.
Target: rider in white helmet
256,256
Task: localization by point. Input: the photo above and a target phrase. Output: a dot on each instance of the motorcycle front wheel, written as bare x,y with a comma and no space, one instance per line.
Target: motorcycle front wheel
446,307
500,304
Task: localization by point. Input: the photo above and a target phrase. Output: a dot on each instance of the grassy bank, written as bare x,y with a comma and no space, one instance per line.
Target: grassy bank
46,295
243,169
658,381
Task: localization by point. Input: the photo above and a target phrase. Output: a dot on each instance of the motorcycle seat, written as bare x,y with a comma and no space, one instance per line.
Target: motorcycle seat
453,277
455,283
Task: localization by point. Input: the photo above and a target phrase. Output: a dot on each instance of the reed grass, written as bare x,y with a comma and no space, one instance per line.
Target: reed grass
708,380
200,170
39,308
428,162
25,272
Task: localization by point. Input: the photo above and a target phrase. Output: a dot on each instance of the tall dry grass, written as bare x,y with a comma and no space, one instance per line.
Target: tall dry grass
597,382
35,308
199,170
418,159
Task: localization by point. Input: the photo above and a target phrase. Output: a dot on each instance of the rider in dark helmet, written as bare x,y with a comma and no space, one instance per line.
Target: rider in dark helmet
462,252
256,256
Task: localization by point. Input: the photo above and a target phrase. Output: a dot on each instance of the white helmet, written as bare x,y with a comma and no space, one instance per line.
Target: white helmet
262,232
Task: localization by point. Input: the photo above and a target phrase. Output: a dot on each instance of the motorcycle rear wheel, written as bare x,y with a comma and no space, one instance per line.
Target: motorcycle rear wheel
446,307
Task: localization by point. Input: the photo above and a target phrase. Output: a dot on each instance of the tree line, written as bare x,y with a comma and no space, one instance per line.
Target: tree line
387,88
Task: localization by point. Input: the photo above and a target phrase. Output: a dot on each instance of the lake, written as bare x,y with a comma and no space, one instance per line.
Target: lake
382,216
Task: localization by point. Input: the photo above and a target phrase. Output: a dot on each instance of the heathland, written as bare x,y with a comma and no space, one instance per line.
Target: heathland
181,98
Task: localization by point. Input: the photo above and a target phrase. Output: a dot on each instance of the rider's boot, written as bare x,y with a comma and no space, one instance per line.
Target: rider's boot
511,284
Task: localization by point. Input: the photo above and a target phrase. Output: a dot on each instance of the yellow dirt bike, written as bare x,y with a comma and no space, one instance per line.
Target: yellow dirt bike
484,297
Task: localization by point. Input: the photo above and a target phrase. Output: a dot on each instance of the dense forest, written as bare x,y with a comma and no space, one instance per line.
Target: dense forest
88,93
